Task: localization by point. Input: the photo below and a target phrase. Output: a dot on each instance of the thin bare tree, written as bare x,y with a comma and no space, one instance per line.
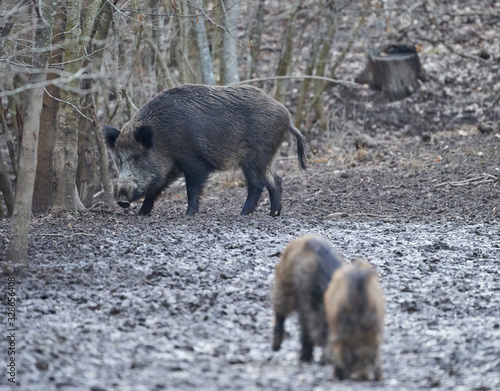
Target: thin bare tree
67,198
17,251
285,60
230,49
206,66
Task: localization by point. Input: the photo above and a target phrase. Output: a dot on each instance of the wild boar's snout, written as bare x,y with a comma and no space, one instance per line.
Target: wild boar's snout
126,188
122,201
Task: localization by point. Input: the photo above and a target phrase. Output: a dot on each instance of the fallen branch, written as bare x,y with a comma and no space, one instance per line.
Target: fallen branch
483,178
466,55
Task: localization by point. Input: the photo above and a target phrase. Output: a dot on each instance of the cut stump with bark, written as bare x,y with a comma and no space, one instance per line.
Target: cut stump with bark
394,70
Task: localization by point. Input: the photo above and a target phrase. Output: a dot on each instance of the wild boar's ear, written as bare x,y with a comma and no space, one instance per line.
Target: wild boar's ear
144,135
110,135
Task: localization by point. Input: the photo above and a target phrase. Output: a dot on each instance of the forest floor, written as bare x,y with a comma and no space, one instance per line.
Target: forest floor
115,301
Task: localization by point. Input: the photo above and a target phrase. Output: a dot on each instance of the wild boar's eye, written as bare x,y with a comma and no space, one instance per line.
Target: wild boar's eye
135,158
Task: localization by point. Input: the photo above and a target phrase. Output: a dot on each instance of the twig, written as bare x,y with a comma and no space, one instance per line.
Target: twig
336,81
56,82
68,103
484,178
226,29
68,236
465,55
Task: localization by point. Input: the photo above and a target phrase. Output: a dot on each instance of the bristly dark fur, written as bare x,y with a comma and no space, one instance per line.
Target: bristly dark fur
110,136
144,135
193,130
354,306
302,276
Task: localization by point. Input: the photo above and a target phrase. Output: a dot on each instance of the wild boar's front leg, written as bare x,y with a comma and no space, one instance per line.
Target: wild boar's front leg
147,205
155,188
196,173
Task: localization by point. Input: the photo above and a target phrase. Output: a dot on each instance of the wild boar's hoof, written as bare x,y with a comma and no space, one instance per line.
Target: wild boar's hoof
275,213
191,211
278,339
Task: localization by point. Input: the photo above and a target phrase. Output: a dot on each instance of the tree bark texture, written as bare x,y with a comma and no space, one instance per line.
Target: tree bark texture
6,188
255,38
87,175
66,142
206,66
183,45
230,59
103,24
394,70
17,251
43,194
322,61
286,54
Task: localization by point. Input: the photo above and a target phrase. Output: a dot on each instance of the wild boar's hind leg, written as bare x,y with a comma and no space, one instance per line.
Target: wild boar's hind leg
279,330
306,353
256,181
274,187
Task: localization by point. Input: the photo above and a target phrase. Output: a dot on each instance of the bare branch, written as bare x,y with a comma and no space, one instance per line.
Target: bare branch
68,103
328,79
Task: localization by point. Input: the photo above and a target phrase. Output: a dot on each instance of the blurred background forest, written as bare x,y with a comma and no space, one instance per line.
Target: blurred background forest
68,67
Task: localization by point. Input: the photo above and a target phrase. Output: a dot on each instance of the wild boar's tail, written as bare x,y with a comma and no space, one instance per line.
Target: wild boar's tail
300,146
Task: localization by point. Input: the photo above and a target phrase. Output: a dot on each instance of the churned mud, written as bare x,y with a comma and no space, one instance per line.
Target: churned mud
115,301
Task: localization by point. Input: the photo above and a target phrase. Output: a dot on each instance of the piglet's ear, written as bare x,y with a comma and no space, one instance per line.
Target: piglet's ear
144,135
110,135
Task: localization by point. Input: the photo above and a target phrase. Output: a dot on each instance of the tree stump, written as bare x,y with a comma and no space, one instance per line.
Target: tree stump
394,70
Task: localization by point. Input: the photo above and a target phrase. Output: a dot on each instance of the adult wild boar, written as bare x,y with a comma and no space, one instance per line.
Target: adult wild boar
302,276
354,305
194,130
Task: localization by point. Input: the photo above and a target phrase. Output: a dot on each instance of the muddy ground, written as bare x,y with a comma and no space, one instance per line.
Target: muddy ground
115,301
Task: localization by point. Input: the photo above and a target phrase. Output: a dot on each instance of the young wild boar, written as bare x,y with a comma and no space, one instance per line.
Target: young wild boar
302,276
194,130
354,306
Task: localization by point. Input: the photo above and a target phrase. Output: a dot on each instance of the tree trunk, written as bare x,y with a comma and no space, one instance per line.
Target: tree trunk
230,59
206,66
183,45
321,64
87,175
103,24
394,70
5,183
43,194
17,251
286,54
255,38
66,142
87,178
5,187
306,83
